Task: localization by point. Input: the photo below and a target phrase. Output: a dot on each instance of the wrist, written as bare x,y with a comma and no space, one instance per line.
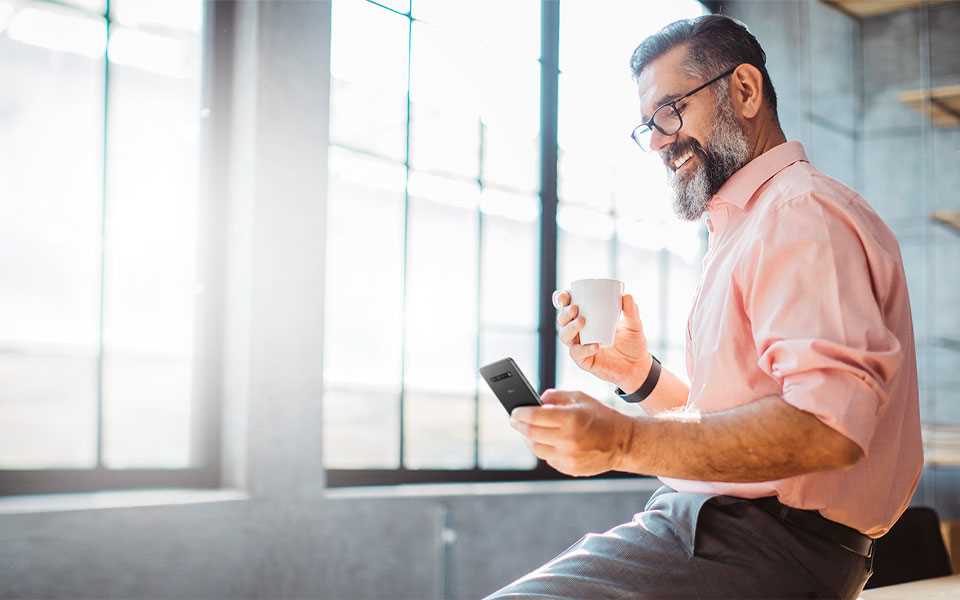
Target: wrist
639,375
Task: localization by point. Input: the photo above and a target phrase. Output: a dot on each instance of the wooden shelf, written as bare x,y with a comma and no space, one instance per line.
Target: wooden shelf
941,104
941,444
872,8
950,218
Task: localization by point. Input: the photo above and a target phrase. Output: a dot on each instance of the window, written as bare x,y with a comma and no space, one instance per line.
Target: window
100,124
434,223
614,215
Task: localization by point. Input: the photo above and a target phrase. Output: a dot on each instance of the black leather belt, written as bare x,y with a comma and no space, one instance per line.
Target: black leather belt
817,524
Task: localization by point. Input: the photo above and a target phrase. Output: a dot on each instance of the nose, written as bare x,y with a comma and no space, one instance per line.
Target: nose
659,140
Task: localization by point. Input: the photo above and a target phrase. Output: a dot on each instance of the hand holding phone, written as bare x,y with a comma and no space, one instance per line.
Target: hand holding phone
509,384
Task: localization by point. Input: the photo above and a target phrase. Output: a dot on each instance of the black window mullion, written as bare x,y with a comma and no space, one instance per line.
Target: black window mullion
549,83
479,314
103,233
405,246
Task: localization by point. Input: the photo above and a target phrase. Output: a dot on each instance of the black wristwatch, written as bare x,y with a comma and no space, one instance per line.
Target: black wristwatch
648,384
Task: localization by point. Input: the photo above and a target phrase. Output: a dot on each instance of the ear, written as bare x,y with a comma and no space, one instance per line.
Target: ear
746,90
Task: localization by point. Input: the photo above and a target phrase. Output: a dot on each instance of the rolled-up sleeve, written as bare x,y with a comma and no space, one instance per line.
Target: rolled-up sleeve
813,290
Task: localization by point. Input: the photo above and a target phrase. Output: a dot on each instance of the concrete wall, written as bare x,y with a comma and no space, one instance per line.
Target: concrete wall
813,58
838,79
442,542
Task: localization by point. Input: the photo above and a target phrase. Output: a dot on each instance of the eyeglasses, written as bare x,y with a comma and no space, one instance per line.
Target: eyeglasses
666,119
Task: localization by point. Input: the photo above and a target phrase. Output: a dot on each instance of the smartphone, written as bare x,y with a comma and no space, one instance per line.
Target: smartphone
509,384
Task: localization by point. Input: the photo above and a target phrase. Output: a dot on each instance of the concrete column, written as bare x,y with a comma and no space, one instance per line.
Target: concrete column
277,221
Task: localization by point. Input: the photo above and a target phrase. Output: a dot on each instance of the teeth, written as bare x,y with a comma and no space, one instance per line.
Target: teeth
679,162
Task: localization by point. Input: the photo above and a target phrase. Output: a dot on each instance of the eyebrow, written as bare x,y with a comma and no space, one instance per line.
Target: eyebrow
663,100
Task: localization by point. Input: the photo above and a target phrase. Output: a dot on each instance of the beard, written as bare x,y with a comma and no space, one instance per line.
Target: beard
726,153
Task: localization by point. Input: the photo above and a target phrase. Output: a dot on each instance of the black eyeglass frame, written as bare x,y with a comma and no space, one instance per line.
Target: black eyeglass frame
651,123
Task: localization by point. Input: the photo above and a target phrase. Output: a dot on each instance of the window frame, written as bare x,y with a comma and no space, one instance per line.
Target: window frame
547,261
205,431
218,51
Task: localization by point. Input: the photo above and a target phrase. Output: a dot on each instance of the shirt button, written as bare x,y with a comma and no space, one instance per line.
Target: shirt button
709,224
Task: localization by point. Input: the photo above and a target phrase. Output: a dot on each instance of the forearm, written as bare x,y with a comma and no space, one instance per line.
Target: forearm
764,440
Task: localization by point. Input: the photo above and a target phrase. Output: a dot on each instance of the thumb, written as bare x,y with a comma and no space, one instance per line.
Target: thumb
557,397
631,314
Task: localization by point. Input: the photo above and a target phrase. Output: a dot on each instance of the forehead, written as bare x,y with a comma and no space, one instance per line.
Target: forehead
662,78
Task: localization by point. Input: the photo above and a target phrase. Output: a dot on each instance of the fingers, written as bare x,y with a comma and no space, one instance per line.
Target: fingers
543,451
560,299
551,396
631,314
580,352
570,333
552,436
567,314
536,415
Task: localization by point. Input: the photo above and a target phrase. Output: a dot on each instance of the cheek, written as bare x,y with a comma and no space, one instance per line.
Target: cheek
697,128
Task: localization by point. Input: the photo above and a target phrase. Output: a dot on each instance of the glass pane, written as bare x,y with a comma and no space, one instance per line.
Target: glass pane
362,312
585,247
58,28
364,262
511,152
368,97
572,377
501,446
640,189
361,427
674,359
439,430
598,99
184,15
455,67
47,408
598,106
397,5
639,269
510,266
441,357
582,176
682,281
50,237
174,56
151,250
147,408
90,5
445,140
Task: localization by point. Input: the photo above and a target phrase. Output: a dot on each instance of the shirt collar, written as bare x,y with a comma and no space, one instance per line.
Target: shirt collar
741,186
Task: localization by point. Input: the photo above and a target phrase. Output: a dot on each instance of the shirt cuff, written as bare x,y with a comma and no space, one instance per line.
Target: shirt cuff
840,399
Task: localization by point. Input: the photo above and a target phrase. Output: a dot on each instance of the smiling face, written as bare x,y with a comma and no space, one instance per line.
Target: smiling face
711,146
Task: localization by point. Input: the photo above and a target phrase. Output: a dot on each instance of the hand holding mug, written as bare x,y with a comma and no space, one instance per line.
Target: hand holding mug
624,362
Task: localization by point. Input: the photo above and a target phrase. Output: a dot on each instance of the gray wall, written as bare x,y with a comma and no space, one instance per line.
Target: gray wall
444,542
837,79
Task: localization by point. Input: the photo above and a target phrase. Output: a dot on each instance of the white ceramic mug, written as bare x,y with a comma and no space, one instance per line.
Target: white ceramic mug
600,302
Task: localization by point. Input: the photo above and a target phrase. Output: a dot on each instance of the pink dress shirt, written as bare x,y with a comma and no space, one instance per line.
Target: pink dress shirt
803,295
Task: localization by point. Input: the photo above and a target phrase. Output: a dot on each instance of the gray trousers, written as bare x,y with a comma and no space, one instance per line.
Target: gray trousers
697,546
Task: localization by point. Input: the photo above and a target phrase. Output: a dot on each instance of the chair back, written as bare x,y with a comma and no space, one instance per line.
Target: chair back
913,549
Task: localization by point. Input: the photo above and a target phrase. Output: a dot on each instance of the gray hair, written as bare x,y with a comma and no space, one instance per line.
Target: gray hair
714,43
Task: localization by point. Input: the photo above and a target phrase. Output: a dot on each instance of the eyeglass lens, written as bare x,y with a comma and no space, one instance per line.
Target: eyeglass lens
666,119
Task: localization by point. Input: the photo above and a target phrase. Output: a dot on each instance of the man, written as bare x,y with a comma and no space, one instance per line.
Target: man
797,442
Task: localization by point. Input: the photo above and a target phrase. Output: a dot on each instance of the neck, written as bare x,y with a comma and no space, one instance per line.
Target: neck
769,135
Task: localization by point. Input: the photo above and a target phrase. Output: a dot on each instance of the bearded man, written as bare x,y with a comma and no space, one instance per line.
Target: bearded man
797,442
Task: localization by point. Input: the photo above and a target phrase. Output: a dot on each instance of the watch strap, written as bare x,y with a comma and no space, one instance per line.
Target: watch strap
648,384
